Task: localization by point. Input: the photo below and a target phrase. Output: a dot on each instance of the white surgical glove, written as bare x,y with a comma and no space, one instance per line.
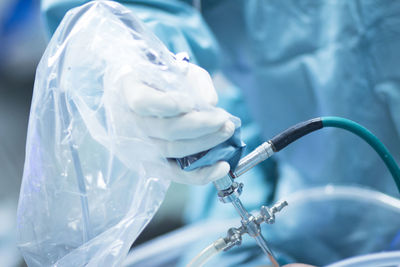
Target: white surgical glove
177,127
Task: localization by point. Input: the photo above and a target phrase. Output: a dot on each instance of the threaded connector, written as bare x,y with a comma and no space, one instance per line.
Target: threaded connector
258,155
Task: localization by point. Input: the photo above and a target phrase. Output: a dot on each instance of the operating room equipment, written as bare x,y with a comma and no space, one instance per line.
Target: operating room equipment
342,202
299,130
250,225
229,190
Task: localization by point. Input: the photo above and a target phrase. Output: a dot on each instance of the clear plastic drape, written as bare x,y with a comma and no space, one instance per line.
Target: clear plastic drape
92,178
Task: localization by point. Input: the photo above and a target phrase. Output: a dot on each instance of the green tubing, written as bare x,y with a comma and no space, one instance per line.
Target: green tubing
370,138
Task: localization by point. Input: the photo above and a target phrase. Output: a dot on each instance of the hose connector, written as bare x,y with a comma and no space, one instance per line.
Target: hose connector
261,153
268,214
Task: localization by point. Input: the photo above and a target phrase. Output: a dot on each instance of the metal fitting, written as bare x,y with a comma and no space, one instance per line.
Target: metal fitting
258,155
252,226
233,238
223,183
233,192
268,214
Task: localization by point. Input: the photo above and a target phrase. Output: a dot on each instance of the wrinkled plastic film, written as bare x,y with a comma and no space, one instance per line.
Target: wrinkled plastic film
92,178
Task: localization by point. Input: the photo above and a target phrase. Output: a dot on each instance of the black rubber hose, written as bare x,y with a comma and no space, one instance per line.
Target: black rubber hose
295,132
299,130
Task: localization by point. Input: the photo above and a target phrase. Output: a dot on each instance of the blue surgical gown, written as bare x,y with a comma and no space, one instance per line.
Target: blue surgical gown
283,62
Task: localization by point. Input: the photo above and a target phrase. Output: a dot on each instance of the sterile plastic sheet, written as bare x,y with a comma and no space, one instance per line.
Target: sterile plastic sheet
92,178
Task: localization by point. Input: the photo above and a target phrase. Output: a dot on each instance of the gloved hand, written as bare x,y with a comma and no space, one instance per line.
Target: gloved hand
177,127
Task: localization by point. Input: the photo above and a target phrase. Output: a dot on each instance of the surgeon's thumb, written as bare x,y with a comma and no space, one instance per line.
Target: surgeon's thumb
207,174
220,169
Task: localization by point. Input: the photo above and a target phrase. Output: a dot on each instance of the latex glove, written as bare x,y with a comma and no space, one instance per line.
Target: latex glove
176,127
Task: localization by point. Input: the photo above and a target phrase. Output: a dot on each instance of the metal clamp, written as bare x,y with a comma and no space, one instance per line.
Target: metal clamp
251,225
268,214
233,238
227,195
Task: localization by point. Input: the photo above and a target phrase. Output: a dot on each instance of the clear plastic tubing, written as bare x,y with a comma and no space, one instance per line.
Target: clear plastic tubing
371,260
262,243
208,253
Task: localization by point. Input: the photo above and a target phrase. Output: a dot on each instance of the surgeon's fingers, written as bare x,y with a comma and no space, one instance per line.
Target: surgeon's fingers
190,125
148,101
201,81
200,176
185,147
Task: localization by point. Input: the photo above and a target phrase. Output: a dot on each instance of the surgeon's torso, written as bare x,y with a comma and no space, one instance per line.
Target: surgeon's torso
295,60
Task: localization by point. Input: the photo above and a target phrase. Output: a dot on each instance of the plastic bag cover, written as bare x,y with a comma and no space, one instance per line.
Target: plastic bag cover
92,179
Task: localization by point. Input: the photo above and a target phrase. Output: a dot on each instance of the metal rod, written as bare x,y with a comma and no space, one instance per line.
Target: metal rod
263,245
237,204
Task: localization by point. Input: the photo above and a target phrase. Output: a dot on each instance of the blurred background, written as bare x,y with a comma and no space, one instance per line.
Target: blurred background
23,40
